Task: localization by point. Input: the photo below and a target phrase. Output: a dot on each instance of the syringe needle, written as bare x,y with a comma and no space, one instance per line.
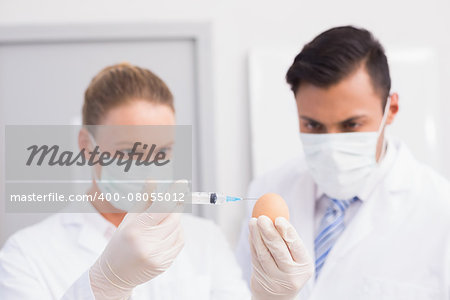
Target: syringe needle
215,198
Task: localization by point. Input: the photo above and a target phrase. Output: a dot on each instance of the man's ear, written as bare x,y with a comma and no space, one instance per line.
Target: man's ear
393,109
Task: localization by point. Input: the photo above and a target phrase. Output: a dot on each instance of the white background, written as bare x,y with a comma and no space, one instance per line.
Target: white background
238,27
415,73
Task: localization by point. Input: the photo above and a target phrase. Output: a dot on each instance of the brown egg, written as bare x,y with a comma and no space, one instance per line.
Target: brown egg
271,205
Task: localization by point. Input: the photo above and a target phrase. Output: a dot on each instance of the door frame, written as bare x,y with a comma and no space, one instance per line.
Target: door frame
198,32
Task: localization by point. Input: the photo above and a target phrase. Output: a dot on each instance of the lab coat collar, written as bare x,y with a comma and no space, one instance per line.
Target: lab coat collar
94,230
381,170
403,168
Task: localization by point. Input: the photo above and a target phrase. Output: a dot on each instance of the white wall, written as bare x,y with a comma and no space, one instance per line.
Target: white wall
240,25
415,74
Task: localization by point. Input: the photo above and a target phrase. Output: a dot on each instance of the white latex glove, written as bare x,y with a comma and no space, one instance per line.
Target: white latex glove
281,264
143,246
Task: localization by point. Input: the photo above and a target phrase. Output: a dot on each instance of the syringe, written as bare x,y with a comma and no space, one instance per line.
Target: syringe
215,198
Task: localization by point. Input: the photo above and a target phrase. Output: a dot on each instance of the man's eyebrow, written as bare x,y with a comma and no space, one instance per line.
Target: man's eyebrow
355,118
309,119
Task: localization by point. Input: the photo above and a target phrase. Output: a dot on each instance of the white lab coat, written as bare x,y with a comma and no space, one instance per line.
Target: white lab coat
397,246
50,260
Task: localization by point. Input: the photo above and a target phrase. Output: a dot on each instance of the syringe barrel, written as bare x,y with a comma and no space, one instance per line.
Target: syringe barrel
204,198
212,198
216,198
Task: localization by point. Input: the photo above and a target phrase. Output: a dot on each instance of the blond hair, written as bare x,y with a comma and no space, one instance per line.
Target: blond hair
121,83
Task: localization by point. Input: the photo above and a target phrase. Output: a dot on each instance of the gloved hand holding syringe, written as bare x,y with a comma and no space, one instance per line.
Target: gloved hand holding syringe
215,198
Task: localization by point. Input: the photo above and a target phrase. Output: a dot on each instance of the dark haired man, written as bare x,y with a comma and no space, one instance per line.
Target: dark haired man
376,220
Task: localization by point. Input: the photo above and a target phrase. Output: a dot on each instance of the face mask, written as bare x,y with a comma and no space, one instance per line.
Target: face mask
340,163
114,180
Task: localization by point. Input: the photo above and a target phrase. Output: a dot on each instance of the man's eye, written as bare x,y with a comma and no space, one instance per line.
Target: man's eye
351,125
313,125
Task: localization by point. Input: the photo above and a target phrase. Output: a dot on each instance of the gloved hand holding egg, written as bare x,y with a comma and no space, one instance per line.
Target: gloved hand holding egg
281,264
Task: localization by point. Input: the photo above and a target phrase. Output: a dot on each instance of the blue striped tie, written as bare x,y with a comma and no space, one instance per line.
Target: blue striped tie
331,227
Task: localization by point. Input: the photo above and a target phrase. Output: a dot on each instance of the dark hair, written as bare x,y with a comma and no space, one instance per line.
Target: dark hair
335,54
